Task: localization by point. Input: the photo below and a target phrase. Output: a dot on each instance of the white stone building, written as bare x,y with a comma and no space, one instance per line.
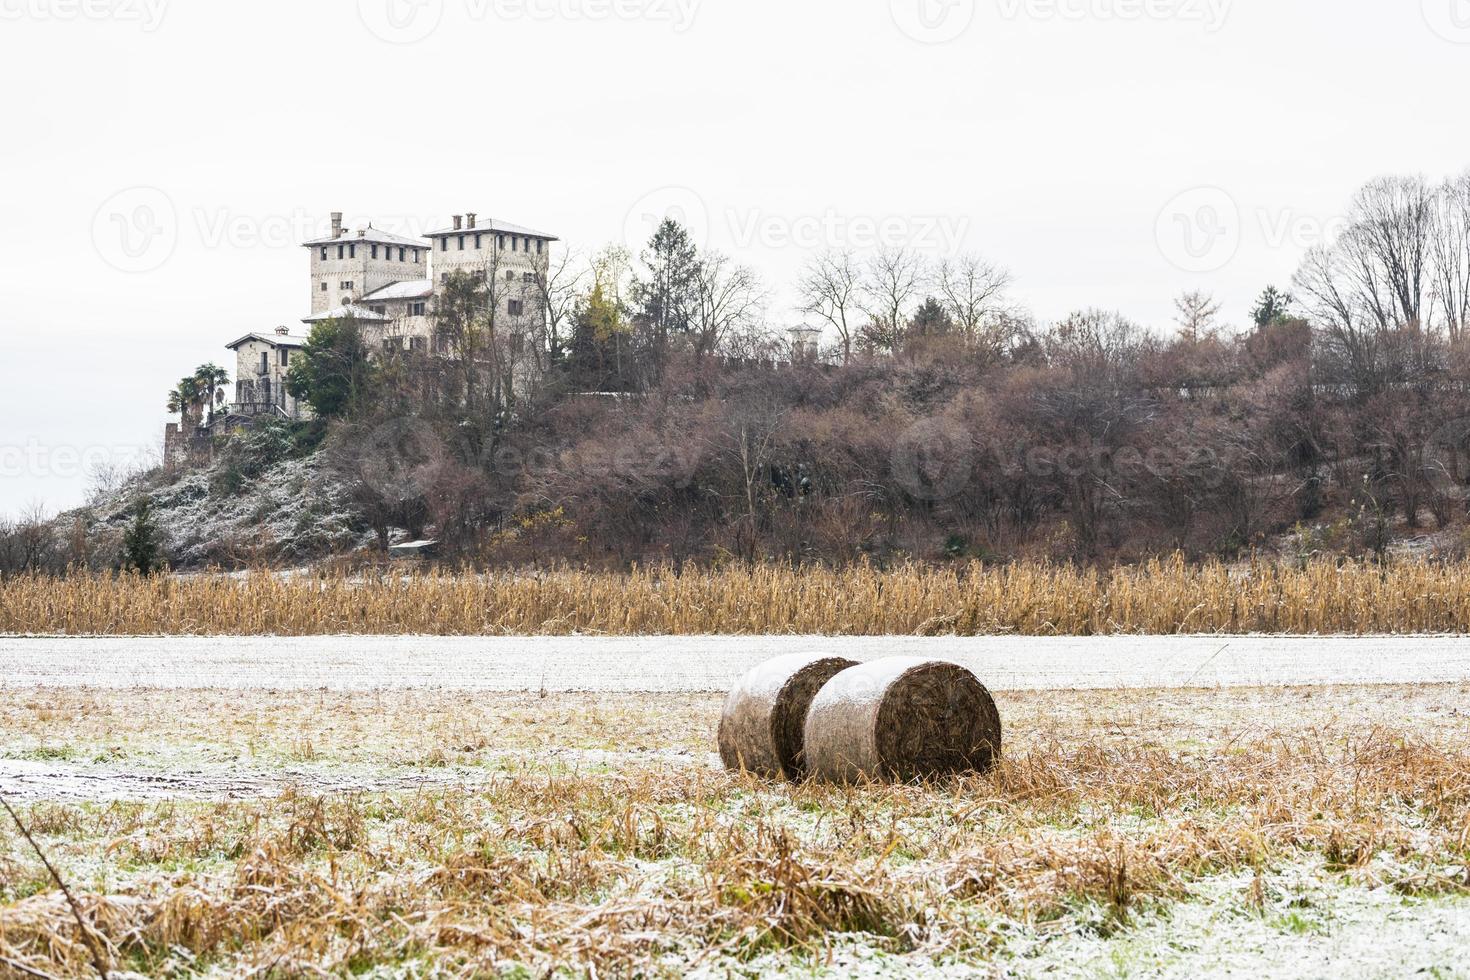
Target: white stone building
261,363
388,283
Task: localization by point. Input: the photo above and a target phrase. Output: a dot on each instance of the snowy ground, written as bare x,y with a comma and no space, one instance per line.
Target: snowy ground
703,664
136,778
26,779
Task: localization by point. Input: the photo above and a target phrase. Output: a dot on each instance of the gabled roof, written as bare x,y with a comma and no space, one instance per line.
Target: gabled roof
411,289
342,312
497,227
369,235
274,339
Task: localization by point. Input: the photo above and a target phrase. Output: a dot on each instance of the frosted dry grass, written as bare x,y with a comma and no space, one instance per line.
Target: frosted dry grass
1112,811
1160,597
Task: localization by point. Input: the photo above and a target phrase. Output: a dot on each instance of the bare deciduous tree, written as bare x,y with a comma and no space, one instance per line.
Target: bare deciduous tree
1449,247
1366,291
1196,313
973,292
891,280
829,289
1389,244
559,287
727,298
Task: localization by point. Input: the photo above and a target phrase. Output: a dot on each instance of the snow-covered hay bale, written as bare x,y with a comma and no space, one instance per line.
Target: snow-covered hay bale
764,721
901,718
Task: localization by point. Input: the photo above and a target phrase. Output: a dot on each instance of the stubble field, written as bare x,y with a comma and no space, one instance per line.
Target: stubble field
1299,831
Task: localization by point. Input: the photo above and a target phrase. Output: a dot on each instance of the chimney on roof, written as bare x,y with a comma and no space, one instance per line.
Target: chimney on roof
283,331
458,222
362,233
469,219
336,224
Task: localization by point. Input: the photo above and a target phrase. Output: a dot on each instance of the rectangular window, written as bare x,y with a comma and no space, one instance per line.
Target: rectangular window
515,243
400,255
375,251
528,277
461,243
514,307
265,362
352,251
444,244
324,253
346,285
415,256
517,343
285,357
324,287
500,242
417,343
379,309
341,250
443,277
416,309
539,244
478,242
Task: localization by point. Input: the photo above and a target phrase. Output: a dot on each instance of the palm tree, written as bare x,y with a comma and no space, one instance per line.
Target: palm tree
211,379
183,399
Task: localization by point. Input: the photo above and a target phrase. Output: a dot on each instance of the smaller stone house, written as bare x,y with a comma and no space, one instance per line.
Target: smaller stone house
261,363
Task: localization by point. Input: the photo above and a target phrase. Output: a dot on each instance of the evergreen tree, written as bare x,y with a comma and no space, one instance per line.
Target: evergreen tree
1273,307
665,297
333,373
599,336
931,320
141,545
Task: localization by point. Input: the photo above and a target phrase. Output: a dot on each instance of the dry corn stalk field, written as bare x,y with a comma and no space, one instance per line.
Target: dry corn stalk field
1162,597
1308,831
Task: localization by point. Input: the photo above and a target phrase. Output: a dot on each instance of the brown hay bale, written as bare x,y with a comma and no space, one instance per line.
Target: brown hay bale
763,725
901,718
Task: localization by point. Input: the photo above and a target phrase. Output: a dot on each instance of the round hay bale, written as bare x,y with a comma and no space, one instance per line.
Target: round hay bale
764,721
901,718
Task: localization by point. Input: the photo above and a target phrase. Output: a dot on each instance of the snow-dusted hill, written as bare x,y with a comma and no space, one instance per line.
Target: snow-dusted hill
262,499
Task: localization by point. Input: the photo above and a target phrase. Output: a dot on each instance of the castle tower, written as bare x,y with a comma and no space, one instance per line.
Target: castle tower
347,265
514,256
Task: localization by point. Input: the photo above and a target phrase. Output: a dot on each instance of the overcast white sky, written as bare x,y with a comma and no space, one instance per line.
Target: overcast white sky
161,159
